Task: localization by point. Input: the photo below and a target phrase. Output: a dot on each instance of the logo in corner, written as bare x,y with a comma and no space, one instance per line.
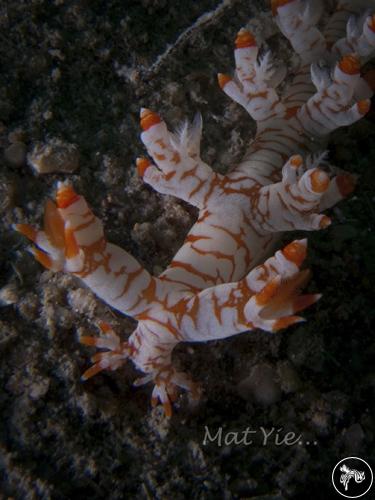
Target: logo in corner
352,477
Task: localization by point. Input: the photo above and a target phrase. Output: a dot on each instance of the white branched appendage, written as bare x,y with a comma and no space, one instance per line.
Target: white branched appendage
220,282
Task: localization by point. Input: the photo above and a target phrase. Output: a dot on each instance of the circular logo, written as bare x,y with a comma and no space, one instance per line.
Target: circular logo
352,477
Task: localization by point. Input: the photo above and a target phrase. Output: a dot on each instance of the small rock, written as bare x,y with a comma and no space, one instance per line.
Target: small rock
8,294
15,154
39,388
55,156
261,385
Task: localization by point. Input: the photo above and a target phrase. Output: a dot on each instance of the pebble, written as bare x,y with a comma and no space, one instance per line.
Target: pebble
54,156
9,294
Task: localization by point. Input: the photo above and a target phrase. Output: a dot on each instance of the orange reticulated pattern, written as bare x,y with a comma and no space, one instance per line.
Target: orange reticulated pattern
244,39
65,196
148,119
275,4
350,64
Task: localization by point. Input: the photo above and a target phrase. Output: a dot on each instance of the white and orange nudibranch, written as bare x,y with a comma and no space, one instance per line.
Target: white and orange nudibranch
219,283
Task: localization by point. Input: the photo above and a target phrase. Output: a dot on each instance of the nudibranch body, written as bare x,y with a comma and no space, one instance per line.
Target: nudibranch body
219,283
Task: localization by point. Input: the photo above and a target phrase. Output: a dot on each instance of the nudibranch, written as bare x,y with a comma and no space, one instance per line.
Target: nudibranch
220,282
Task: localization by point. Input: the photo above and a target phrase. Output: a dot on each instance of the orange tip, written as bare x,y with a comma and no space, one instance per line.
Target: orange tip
287,321
93,370
325,222
26,230
104,326
296,161
364,106
244,39
350,64
346,184
87,340
319,181
65,195
296,251
276,4
223,79
41,257
371,23
149,119
142,165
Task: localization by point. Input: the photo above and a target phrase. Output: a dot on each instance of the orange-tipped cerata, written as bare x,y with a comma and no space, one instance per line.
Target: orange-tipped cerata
223,79
42,258
54,225
149,119
104,326
364,106
142,165
269,291
244,39
65,196
275,4
285,322
71,247
346,184
26,230
319,181
88,340
350,64
295,252
296,161
325,222
93,370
